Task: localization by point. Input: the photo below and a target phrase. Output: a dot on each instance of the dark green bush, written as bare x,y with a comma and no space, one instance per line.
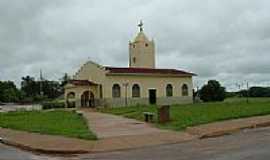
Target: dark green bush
212,92
71,104
53,105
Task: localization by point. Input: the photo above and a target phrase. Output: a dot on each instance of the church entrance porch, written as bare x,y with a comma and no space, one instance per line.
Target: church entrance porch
83,93
87,99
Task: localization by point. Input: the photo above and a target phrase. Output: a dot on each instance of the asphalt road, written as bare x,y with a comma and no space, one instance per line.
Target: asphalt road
249,144
9,153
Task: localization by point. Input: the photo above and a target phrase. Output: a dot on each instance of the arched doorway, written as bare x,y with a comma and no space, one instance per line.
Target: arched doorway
88,99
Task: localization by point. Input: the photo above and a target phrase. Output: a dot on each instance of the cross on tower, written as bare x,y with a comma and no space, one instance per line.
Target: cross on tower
140,25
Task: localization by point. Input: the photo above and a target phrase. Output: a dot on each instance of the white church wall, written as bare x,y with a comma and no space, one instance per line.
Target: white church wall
146,83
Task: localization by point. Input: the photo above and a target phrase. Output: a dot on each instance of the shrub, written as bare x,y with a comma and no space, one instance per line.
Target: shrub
212,92
53,105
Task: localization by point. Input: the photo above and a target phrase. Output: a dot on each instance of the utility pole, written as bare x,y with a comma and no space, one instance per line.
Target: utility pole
238,86
247,92
40,83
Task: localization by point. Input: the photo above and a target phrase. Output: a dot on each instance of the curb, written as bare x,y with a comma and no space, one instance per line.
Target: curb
231,131
140,147
65,152
219,133
39,150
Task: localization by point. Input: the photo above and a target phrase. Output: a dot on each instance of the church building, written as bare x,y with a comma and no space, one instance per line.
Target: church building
95,85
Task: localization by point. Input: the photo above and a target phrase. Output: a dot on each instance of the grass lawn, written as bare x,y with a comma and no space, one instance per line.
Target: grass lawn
183,116
52,122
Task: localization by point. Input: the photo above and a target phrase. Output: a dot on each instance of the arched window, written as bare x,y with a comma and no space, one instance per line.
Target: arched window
116,91
169,90
70,101
184,90
135,90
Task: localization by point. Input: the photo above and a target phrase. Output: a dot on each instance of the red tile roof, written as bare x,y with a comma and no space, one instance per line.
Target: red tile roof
131,70
82,82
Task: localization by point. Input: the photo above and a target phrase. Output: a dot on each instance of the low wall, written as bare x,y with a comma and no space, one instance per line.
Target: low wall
120,102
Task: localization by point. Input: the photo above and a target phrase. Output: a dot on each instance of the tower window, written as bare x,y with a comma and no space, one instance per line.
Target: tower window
134,60
133,45
146,44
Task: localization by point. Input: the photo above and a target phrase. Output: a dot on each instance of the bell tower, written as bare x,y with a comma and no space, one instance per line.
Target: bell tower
141,51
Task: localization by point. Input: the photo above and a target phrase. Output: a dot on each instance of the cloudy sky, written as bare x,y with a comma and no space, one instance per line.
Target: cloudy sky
227,40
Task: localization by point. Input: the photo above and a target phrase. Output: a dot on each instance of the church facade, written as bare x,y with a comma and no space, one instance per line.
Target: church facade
95,85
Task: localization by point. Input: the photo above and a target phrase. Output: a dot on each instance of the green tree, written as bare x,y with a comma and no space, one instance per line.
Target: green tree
212,91
51,89
9,92
29,86
33,89
64,80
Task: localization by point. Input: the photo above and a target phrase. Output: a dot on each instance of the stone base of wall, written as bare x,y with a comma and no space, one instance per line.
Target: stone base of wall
97,103
121,102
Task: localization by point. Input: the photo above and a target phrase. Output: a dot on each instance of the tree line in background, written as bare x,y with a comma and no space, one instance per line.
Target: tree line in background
254,92
32,90
213,91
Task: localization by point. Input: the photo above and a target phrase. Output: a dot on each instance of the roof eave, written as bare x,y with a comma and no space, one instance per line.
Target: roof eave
149,74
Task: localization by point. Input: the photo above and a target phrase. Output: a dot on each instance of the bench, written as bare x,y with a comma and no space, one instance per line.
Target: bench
148,116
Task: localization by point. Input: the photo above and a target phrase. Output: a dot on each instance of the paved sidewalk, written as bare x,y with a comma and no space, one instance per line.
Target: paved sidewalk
138,141
228,126
45,143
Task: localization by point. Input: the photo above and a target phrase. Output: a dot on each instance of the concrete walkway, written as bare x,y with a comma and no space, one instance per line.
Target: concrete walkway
117,133
107,125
